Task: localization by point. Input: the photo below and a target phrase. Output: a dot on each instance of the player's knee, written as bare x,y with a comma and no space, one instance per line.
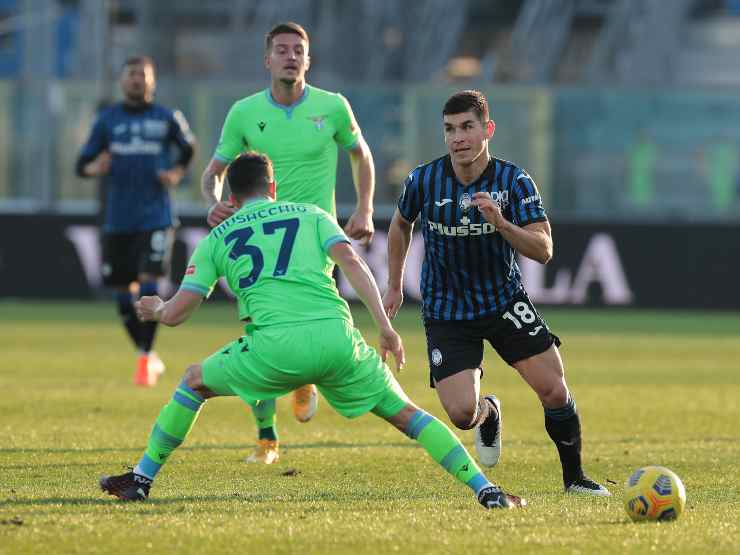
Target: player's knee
402,418
194,378
462,416
554,396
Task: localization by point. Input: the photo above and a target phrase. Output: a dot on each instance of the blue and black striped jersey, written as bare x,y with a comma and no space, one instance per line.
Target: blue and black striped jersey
469,270
140,140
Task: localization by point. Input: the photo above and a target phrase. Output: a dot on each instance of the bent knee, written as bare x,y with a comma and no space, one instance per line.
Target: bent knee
462,416
554,397
194,377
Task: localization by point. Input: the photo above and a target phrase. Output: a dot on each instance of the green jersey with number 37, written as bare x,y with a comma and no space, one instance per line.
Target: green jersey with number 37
274,256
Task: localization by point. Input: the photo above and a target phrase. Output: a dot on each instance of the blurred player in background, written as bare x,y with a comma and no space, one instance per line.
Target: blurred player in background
476,212
278,259
299,127
130,146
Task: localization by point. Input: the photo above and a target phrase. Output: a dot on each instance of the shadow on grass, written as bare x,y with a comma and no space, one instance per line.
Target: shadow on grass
31,465
110,501
245,446
324,445
257,499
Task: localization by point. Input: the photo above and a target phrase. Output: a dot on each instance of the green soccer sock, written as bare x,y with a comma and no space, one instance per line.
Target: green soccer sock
171,428
444,447
264,417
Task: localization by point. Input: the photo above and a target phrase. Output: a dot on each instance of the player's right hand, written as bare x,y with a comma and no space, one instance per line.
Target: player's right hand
149,309
100,166
390,341
392,301
219,212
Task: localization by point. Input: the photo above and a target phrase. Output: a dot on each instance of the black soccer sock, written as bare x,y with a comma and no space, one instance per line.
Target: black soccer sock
563,425
128,315
147,330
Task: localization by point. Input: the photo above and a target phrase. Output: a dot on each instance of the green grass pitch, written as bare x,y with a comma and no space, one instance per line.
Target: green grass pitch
652,388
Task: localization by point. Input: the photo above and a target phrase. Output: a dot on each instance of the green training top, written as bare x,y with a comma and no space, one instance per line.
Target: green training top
274,258
301,140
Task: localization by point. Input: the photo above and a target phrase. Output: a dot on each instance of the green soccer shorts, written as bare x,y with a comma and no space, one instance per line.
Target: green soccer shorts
273,361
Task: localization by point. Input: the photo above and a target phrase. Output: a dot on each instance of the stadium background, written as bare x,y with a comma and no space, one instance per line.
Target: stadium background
626,113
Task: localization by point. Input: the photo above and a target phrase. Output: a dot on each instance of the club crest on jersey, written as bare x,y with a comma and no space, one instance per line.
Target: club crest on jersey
318,121
261,125
466,201
436,357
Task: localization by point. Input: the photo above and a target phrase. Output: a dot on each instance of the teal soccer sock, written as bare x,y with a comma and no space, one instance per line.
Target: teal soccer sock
265,417
445,448
173,424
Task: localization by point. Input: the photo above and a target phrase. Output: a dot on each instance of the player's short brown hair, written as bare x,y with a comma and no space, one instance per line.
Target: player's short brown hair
282,28
467,101
139,60
250,173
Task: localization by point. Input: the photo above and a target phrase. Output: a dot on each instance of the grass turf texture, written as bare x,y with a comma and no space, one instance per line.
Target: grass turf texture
652,388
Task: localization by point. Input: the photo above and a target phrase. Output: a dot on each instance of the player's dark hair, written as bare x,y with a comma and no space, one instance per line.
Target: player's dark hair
139,60
282,28
249,174
467,101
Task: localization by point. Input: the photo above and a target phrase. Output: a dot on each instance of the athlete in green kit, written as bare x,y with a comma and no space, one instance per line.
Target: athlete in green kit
278,259
301,129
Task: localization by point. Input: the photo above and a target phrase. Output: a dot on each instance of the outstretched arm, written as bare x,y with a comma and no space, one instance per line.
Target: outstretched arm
211,185
94,159
359,276
181,135
360,225
171,313
399,240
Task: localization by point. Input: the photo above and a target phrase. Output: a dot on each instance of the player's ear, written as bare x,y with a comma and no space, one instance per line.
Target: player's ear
308,62
490,128
271,189
150,76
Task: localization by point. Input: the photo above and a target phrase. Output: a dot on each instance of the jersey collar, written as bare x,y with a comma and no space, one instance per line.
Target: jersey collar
483,175
136,109
288,109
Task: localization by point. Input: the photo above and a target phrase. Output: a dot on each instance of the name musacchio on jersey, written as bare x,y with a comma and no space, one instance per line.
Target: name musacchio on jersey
469,270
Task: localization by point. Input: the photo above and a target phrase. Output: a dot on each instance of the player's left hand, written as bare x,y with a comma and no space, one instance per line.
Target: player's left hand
172,177
391,342
149,309
489,208
219,212
360,227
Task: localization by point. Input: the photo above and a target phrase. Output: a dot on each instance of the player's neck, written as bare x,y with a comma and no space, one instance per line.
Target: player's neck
137,102
240,203
468,173
287,94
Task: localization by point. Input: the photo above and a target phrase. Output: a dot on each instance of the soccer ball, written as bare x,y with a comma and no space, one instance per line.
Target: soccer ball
654,493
